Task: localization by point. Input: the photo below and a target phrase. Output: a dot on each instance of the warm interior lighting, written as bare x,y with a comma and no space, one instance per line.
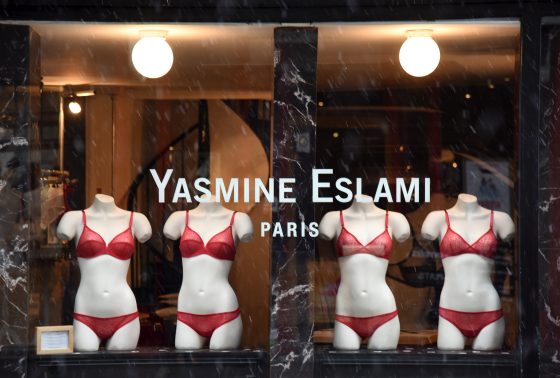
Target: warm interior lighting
85,93
151,55
74,107
419,55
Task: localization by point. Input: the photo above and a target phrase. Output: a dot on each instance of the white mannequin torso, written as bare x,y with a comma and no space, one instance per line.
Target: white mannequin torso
468,277
205,288
363,291
103,291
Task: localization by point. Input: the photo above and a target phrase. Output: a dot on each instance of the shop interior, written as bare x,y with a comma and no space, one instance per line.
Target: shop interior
103,126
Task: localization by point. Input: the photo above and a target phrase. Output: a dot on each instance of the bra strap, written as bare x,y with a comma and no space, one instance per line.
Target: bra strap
447,218
491,219
386,219
83,217
232,218
186,218
341,219
130,221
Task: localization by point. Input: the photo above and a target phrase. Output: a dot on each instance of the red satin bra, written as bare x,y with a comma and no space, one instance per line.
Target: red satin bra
347,244
220,246
91,244
453,244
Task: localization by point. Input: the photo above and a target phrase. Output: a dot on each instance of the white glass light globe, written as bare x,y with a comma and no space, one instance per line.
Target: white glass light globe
419,55
74,107
152,56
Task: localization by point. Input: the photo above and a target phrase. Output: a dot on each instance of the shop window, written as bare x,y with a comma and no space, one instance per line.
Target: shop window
104,125
456,126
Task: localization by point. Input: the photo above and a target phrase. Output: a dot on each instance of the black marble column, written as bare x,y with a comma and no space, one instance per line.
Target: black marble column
19,172
293,155
549,207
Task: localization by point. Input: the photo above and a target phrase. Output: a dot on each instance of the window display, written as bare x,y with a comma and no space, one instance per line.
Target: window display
365,306
269,199
438,141
105,308
207,305
469,304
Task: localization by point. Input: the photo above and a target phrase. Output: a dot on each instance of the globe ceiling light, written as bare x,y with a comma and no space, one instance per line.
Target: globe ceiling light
419,55
151,55
74,107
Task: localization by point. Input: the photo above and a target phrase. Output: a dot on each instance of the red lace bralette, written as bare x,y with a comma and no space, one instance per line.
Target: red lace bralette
91,244
220,246
453,244
347,244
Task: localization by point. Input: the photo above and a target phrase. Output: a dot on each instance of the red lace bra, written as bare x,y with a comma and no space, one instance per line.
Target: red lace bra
347,244
91,244
220,246
453,244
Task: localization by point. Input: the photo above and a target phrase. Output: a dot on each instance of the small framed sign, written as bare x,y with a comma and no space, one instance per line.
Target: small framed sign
55,339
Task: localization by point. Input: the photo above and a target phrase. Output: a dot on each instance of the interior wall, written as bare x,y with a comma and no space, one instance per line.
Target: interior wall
236,152
128,157
99,150
112,163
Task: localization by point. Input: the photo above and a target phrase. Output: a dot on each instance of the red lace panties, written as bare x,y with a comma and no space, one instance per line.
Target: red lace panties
365,326
470,323
105,328
206,324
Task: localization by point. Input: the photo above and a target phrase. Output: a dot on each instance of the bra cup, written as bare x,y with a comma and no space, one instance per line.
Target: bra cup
121,246
220,250
89,249
121,250
487,245
189,248
386,242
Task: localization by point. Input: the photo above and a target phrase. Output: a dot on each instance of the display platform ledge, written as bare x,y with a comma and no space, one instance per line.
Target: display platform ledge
146,362
414,362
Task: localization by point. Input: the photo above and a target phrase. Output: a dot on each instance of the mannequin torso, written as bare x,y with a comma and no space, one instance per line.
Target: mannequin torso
205,289
468,285
103,291
363,291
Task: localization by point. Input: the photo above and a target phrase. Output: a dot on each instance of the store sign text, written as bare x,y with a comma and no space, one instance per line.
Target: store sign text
254,190
283,191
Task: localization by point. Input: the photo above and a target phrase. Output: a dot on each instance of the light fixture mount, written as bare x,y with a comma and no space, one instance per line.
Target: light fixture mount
153,33
419,33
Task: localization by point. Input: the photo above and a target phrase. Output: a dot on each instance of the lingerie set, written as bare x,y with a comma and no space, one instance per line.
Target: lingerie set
221,246
452,244
121,247
381,246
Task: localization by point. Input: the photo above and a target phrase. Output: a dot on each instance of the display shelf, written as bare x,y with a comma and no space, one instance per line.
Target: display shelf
146,362
414,362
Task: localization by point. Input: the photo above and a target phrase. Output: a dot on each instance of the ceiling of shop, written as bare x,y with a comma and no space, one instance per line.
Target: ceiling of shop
355,56
217,61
